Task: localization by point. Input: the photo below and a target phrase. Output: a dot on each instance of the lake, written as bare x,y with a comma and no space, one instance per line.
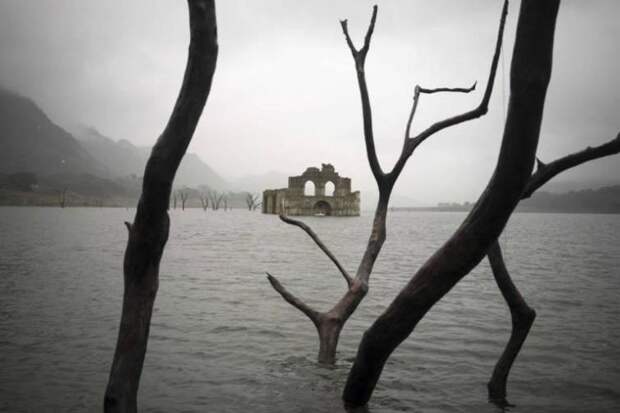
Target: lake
222,340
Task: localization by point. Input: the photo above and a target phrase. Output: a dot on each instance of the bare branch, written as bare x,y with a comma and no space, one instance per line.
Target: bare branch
482,107
292,300
360,57
320,244
416,97
371,27
545,172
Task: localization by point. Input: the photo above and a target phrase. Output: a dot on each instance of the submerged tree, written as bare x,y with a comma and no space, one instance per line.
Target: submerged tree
529,77
251,200
329,323
62,197
204,201
183,194
149,232
521,314
215,198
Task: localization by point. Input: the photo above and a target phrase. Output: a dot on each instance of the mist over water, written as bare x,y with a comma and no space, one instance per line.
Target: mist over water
223,341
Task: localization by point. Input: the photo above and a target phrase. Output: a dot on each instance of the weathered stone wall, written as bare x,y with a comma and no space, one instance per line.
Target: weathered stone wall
293,201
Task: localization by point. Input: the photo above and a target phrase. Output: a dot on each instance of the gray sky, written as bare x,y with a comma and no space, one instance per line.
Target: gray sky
285,94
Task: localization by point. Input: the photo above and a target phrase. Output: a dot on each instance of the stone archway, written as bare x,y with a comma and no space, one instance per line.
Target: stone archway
322,208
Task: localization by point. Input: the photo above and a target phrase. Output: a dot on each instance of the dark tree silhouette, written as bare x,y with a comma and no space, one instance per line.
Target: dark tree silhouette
329,324
62,197
216,199
529,78
183,194
149,232
251,200
204,201
521,314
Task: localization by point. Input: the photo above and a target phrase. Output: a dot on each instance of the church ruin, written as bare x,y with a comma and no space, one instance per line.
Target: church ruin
315,192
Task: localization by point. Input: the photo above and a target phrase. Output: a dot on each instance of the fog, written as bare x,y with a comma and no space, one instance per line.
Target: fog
285,94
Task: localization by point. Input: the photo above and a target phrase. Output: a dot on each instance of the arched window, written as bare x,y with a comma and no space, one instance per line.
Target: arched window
330,189
309,189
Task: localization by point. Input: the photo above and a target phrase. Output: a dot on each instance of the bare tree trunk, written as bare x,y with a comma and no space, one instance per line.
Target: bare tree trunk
149,232
522,319
184,196
329,324
530,73
62,197
522,315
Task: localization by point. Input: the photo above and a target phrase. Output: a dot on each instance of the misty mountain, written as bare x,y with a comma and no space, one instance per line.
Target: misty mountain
125,159
31,142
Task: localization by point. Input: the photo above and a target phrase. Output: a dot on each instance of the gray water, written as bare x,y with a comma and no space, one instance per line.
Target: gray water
223,341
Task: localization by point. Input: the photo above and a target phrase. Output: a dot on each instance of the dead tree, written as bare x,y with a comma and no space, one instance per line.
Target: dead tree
183,195
529,78
174,200
251,200
329,324
204,201
149,232
523,315
62,197
216,199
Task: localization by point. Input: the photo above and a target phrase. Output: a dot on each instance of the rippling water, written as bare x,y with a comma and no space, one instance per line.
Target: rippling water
223,341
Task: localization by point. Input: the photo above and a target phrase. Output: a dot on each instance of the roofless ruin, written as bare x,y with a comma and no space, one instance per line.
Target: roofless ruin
315,192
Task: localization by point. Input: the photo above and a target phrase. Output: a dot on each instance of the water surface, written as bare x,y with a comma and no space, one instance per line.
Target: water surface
223,341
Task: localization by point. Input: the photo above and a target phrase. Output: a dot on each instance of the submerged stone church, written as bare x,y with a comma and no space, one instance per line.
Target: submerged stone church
315,192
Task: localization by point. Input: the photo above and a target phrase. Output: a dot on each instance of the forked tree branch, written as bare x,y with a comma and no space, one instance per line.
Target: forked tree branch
521,314
416,96
360,58
320,244
292,300
545,172
530,74
411,143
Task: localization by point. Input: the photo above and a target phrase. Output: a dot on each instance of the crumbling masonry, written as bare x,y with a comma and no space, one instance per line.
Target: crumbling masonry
306,195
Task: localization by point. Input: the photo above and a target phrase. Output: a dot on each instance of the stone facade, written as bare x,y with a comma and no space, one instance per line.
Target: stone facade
301,198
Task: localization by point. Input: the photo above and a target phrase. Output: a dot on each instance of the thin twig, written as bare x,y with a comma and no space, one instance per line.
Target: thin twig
482,108
416,96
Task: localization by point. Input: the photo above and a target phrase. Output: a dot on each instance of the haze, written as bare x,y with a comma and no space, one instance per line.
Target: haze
285,94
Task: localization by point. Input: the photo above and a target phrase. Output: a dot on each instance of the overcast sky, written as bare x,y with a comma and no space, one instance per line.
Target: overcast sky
285,94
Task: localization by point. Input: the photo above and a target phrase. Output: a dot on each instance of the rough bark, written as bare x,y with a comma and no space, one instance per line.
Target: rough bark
329,324
522,315
149,232
530,73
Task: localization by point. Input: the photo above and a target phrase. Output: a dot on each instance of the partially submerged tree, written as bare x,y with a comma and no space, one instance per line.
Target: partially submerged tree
251,200
183,194
62,197
521,314
204,201
215,198
529,78
149,232
329,323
